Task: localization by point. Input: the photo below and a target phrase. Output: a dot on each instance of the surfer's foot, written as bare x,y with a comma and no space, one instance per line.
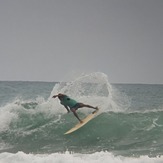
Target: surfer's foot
81,121
95,110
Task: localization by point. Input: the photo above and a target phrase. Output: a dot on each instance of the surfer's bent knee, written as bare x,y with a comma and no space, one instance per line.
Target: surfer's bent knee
73,110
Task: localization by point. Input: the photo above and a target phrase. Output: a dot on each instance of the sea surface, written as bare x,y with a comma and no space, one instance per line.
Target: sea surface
128,128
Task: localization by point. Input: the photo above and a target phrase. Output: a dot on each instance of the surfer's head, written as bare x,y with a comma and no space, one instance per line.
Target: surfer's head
60,94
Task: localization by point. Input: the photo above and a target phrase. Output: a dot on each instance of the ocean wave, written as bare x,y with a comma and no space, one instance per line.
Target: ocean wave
38,125
42,130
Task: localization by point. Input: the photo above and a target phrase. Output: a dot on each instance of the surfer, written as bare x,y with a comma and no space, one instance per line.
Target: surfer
71,104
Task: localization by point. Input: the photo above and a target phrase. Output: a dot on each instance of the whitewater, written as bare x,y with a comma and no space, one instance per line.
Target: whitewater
129,127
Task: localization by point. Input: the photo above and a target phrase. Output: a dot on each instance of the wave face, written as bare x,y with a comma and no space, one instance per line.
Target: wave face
130,122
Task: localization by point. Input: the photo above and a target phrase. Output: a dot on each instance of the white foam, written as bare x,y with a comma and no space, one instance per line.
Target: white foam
6,116
12,111
67,157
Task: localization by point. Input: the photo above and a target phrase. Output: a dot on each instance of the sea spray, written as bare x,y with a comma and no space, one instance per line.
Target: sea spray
93,89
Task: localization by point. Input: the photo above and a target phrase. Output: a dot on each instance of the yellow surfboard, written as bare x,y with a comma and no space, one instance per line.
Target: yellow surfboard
85,120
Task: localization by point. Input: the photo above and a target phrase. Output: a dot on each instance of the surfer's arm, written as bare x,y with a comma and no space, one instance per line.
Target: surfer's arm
55,96
68,110
59,95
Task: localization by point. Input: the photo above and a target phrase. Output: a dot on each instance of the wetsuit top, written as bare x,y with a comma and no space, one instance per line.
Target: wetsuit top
67,101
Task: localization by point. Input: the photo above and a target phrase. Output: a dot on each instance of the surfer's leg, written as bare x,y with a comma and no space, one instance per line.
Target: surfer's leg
89,106
81,105
74,112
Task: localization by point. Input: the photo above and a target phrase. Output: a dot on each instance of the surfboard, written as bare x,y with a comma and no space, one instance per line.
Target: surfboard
85,121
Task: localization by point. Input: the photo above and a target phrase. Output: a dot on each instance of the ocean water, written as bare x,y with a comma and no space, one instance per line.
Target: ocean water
129,127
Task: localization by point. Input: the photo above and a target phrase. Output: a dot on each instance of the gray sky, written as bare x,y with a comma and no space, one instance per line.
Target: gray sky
45,40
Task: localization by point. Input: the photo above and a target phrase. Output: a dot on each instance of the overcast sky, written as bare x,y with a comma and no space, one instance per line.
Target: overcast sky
46,40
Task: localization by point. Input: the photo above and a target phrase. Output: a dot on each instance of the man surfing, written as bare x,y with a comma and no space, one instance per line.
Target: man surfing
71,104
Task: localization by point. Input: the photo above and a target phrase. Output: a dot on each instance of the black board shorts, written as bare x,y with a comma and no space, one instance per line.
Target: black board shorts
77,106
